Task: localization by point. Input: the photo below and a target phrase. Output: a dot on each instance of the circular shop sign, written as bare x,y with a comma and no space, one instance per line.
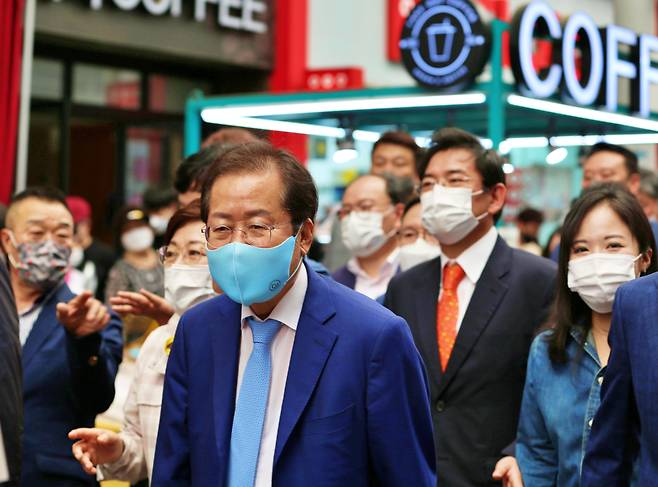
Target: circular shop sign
444,43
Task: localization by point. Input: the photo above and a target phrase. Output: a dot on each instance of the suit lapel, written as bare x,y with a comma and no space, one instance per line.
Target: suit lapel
225,336
314,342
489,291
426,290
45,325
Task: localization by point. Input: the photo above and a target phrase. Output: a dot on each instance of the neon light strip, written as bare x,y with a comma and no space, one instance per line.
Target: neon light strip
580,112
350,105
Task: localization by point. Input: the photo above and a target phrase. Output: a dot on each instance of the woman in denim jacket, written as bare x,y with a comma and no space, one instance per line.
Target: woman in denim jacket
606,241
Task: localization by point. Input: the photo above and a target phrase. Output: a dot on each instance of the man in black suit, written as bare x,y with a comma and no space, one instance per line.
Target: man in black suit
473,311
11,395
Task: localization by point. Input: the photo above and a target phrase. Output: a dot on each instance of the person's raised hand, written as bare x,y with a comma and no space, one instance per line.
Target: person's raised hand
95,446
507,470
83,315
142,303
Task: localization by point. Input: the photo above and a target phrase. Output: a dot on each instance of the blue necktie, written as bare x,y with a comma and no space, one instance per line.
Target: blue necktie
251,405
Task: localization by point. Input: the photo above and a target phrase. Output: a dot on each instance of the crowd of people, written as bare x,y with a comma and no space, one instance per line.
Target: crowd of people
424,349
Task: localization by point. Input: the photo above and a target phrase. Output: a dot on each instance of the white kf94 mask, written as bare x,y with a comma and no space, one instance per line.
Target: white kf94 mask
447,213
596,278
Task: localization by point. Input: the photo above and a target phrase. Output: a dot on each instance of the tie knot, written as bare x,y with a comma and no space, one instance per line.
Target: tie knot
263,331
452,276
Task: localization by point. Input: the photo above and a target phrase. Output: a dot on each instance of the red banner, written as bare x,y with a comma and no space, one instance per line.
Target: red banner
11,45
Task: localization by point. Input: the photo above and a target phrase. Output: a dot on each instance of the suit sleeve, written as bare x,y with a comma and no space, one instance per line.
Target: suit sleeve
613,441
94,361
535,451
172,451
399,420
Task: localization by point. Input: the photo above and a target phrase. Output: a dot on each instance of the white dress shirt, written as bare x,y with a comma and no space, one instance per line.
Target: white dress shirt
287,312
374,287
26,322
472,260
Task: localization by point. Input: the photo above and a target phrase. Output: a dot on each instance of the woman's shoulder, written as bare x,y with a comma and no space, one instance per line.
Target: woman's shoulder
157,342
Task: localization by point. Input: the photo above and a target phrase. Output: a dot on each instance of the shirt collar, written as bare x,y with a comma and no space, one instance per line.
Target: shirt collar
38,303
388,269
475,258
289,309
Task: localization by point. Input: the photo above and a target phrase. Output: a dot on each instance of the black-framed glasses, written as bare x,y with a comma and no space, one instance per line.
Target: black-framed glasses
256,234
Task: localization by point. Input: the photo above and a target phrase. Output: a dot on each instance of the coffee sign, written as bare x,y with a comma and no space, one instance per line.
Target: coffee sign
231,14
601,59
444,43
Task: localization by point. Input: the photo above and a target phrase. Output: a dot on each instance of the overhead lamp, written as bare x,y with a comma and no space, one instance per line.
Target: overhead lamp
556,155
346,150
522,142
343,105
581,112
508,168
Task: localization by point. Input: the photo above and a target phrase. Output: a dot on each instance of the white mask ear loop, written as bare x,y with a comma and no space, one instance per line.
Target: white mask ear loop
486,213
10,257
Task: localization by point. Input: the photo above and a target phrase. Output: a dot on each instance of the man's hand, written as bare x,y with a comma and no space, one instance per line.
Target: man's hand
142,303
83,315
95,446
508,471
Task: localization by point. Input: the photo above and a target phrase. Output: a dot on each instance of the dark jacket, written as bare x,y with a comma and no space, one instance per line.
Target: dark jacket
11,398
625,428
475,403
67,381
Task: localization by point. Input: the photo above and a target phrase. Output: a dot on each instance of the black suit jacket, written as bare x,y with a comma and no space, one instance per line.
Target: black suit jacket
11,395
476,402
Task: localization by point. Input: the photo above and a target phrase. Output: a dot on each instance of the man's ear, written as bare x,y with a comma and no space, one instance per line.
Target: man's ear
306,236
6,241
498,194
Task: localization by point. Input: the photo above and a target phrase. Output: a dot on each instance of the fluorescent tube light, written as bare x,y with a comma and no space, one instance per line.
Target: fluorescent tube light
346,105
580,112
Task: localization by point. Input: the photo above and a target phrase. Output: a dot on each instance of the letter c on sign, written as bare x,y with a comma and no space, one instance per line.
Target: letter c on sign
522,35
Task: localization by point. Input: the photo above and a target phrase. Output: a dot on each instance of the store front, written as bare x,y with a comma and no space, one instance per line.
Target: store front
569,91
109,84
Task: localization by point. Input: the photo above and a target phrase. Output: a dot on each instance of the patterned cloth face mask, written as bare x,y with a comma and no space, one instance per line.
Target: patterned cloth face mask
42,264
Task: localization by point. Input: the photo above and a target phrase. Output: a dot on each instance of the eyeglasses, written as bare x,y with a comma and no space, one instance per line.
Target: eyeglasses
363,206
169,255
256,234
428,183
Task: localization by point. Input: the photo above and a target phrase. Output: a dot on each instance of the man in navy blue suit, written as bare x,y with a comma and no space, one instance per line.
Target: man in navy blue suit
624,436
473,311
71,345
289,379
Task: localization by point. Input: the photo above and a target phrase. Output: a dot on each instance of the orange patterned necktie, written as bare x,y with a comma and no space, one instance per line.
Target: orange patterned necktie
448,312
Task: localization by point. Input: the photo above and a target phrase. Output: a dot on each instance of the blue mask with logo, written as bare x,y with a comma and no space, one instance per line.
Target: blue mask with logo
249,274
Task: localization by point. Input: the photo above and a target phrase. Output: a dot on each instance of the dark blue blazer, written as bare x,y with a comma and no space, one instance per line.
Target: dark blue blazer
476,401
62,390
625,428
345,277
355,410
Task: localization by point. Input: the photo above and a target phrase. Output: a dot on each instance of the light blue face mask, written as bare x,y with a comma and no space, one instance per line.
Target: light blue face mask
249,274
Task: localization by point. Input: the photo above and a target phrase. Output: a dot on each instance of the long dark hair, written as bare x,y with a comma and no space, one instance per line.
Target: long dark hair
570,309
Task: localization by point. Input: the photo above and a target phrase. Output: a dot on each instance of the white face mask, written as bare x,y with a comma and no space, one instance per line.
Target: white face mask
158,224
362,232
416,253
77,256
447,213
187,285
596,278
138,239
